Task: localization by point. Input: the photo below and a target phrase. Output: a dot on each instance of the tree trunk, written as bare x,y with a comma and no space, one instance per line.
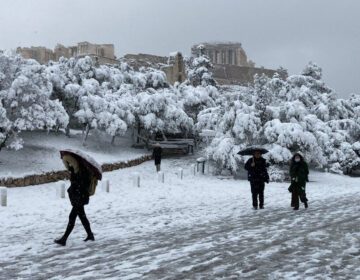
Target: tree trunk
3,143
113,140
67,131
86,134
147,141
163,135
138,133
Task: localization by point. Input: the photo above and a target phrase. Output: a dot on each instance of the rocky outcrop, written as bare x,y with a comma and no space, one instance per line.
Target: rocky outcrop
55,176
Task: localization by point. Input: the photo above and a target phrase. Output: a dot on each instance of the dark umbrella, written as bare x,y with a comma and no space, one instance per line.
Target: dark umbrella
251,150
86,160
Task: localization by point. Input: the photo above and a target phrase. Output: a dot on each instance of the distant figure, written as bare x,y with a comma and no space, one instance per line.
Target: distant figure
157,156
78,195
299,176
257,175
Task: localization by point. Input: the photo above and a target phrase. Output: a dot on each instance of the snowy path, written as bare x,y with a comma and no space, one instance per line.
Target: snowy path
199,228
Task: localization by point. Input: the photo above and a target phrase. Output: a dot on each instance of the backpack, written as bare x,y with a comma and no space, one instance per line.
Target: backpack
93,183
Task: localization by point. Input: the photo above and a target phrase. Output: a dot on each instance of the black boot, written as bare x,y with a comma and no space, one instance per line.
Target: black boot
61,241
296,208
306,204
90,237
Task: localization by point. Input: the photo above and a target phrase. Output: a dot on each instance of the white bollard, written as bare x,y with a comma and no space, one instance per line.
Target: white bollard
136,180
193,169
181,173
3,194
106,186
62,189
161,177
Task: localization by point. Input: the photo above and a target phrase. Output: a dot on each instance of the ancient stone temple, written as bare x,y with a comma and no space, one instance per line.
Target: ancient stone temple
101,53
224,53
231,65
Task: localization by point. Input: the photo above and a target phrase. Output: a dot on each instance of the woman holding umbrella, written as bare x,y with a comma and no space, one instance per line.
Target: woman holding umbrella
257,174
299,176
83,182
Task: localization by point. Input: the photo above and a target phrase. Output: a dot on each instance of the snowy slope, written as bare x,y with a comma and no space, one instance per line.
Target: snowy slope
200,228
41,152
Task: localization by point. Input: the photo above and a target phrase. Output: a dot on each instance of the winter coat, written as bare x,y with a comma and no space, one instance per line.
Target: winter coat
299,176
157,155
258,173
79,188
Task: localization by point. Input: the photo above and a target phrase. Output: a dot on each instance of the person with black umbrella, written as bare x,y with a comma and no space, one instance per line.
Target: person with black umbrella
257,175
82,185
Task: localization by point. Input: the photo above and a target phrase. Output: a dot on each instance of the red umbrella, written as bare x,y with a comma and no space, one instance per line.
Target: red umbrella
89,162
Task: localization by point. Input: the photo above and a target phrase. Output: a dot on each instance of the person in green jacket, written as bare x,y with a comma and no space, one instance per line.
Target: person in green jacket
299,172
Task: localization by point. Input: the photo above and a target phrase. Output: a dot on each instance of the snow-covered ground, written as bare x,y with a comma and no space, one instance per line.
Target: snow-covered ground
201,227
41,152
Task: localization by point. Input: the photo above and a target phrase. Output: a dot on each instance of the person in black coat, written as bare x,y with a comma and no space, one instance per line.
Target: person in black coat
157,156
79,197
257,175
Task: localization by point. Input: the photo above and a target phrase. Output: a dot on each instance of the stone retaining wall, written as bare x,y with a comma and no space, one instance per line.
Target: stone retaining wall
55,176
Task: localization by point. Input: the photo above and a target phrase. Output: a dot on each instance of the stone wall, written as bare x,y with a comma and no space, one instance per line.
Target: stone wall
173,66
176,71
40,54
144,60
55,176
238,75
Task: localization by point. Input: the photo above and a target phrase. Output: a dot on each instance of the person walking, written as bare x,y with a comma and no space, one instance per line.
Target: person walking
257,175
78,191
299,172
157,152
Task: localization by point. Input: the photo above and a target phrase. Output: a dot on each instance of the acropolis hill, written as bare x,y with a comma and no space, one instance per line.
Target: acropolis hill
231,65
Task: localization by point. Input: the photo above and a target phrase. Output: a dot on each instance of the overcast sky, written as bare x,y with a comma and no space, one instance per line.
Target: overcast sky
273,32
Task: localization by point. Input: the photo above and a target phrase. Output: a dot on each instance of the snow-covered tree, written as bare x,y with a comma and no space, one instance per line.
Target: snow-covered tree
5,127
299,114
159,112
199,72
25,96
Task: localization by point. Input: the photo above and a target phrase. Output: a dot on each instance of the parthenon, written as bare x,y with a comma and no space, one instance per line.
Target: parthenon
225,53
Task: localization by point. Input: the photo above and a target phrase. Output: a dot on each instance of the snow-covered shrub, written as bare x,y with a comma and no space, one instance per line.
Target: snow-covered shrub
276,174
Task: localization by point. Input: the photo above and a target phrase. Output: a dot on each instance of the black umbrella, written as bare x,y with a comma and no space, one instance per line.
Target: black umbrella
251,150
86,160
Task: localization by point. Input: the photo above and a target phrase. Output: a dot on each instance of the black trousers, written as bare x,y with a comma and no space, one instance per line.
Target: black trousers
257,191
77,211
295,196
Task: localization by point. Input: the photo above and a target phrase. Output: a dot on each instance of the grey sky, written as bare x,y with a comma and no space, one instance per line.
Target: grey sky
273,32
